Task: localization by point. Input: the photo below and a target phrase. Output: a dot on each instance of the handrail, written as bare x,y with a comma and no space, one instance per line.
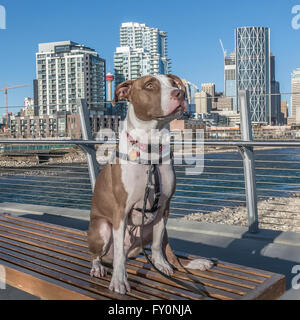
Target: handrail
235,143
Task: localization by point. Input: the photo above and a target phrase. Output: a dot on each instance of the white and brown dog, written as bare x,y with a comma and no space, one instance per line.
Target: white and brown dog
116,218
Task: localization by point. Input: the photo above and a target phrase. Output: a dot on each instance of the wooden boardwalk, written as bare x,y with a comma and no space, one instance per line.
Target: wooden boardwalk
53,262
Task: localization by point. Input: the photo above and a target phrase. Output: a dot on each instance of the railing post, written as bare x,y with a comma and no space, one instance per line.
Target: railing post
87,135
249,163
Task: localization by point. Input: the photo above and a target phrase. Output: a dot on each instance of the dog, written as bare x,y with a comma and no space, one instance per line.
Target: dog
115,217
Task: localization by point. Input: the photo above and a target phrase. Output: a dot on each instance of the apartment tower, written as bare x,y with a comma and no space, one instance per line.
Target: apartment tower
142,51
67,71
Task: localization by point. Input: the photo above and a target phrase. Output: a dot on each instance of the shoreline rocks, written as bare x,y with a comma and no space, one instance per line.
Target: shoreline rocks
279,213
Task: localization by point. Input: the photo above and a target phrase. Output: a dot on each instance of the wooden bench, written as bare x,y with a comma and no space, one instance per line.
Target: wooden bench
53,262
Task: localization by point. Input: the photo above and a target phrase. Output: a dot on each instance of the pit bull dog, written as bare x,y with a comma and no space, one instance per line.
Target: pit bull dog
116,218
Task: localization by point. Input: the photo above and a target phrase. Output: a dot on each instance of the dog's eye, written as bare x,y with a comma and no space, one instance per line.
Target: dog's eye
174,84
149,85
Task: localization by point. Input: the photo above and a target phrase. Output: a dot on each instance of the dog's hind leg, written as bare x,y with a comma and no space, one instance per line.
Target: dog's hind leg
100,243
198,264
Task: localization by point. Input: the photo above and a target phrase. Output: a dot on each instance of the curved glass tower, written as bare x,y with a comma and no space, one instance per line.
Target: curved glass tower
252,45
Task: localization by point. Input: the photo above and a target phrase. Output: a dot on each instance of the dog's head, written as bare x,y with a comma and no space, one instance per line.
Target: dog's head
154,97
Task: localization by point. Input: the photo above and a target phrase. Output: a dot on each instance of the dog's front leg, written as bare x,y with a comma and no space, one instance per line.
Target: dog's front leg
157,253
119,281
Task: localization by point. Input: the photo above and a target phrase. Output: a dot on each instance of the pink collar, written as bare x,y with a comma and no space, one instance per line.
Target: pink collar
142,146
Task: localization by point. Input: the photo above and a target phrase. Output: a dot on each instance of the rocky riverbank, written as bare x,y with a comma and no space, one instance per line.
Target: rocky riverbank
275,213
73,156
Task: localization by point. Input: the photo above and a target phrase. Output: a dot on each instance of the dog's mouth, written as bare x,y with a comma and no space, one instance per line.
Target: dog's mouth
177,112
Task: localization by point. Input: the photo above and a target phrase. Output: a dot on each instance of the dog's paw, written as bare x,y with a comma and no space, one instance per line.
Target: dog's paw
119,285
165,268
162,265
98,271
200,264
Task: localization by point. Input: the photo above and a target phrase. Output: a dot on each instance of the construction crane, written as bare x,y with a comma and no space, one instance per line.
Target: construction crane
225,55
224,51
5,98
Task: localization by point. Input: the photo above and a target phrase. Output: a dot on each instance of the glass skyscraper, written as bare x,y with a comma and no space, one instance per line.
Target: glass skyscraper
252,49
295,97
230,79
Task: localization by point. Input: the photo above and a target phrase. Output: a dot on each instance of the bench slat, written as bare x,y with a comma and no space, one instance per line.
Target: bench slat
71,242
45,224
33,283
45,240
26,224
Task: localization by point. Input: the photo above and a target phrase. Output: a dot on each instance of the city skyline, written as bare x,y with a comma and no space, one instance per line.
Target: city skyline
193,44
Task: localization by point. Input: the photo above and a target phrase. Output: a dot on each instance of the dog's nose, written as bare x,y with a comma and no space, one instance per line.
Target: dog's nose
177,94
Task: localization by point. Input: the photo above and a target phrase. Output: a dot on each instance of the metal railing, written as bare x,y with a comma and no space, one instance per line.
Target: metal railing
240,180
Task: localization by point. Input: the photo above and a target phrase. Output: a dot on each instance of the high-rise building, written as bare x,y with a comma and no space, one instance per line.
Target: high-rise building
131,64
230,78
295,98
252,49
202,105
67,71
284,112
142,51
210,89
28,109
275,94
190,90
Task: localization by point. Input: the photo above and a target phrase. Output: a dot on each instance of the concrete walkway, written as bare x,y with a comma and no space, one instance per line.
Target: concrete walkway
269,250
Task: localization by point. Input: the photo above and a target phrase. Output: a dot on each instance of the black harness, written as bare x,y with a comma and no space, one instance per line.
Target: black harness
157,193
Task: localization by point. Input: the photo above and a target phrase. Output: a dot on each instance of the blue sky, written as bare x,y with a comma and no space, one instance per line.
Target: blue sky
194,28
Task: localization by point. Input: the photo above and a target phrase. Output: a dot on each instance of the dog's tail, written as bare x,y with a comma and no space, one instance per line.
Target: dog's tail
184,263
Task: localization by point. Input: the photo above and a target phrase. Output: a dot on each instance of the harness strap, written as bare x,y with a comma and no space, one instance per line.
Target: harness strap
154,208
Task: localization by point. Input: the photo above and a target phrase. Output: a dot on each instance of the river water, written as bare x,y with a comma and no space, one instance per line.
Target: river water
220,185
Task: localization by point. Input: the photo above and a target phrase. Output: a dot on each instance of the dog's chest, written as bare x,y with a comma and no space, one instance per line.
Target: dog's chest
134,178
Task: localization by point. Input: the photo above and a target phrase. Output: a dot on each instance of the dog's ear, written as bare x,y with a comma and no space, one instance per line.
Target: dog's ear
178,81
122,91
